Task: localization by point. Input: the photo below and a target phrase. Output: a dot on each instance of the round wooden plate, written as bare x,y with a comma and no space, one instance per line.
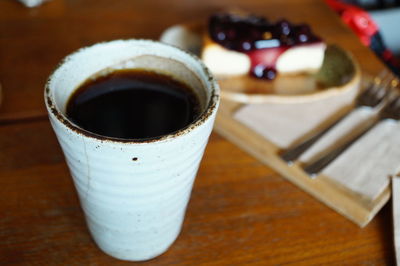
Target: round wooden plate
339,73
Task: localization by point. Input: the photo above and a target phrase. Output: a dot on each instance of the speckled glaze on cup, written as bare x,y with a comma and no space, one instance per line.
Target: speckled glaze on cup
134,193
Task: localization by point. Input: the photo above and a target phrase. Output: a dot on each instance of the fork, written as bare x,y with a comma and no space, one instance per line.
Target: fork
390,111
370,97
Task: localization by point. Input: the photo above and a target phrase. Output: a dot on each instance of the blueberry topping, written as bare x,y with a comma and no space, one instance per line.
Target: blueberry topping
263,72
255,36
221,36
284,27
242,33
246,45
302,37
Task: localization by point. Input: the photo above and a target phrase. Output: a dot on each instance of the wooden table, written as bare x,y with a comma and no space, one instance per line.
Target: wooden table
241,212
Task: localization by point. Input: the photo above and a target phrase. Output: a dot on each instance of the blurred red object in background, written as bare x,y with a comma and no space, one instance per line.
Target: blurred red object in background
367,30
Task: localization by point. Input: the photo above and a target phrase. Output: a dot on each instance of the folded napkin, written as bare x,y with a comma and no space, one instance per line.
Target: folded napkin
364,168
285,124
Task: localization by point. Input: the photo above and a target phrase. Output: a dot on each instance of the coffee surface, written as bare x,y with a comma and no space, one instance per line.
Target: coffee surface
133,104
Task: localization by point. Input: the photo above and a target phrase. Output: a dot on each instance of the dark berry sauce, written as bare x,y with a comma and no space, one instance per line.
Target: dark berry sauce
260,39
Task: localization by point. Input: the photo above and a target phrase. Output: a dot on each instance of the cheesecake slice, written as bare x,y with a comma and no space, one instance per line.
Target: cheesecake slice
241,45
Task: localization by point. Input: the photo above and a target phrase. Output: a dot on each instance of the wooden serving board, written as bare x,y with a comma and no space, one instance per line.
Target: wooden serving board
341,199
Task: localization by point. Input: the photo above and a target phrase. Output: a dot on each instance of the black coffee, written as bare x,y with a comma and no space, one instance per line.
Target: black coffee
133,104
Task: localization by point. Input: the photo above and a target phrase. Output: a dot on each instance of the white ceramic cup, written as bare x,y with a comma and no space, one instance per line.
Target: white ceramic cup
134,193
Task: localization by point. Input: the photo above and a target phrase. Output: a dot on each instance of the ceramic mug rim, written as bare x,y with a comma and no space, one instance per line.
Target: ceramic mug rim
209,83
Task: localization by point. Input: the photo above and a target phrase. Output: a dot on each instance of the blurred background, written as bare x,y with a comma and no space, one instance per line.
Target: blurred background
386,13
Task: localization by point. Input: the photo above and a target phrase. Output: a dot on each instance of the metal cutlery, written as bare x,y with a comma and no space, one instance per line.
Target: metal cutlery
391,110
371,97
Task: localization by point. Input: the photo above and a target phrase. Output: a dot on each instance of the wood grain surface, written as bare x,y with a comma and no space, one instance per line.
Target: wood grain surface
241,212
